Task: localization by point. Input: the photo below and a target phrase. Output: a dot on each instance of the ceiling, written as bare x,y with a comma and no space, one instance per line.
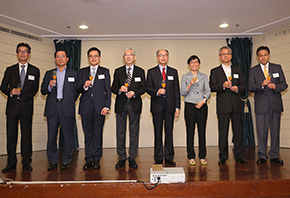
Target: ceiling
127,19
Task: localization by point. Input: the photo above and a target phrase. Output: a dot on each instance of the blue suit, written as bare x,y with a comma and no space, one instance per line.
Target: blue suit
60,113
92,101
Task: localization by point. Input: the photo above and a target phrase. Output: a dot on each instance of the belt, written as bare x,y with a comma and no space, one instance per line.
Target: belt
59,100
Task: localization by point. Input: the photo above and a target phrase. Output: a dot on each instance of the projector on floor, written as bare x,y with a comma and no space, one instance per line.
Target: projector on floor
167,174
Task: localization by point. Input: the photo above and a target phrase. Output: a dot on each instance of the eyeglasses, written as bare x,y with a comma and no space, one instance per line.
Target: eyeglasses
162,55
23,51
225,54
129,54
94,56
62,56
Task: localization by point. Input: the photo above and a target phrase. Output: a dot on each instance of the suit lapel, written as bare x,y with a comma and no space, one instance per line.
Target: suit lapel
261,72
222,72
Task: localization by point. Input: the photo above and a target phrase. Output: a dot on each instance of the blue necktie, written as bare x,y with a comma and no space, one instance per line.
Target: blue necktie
22,76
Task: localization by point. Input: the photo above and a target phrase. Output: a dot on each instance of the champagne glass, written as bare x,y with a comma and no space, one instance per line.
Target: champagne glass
54,75
126,83
163,84
269,77
230,77
91,77
19,88
195,77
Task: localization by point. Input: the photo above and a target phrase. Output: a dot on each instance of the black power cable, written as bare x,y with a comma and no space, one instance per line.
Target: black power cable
150,188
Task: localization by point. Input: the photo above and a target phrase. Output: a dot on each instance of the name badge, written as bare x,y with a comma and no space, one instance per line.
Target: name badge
275,75
71,79
170,78
30,77
102,76
236,75
137,79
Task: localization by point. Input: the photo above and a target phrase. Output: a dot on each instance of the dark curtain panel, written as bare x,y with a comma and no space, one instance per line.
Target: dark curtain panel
73,47
242,57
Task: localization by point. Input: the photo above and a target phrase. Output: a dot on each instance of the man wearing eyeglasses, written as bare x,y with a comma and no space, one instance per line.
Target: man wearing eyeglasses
20,83
93,83
59,86
163,87
128,85
267,81
228,82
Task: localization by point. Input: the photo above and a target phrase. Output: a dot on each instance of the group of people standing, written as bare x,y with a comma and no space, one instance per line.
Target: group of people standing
63,86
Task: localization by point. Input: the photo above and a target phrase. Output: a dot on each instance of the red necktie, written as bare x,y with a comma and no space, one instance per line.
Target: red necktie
163,74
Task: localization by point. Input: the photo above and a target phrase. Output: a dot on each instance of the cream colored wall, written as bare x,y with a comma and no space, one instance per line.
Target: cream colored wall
280,53
179,51
42,57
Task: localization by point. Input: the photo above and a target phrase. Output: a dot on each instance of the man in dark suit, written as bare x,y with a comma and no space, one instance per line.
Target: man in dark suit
20,84
227,80
267,81
128,102
165,105
94,106
59,86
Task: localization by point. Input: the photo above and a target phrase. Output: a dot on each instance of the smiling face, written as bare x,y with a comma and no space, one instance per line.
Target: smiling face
162,58
129,57
225,56
61,59
94,58
194,65
22,54
263,56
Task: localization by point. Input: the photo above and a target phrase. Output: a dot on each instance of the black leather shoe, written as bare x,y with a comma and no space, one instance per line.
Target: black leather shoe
158,162
8,168
277,161
96,165
64,166
241,161
87,165
52,166
222,161
133,164
120,164
27,167
261,161
170,162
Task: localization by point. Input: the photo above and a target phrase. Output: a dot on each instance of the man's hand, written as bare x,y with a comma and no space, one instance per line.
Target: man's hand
123,89
15,92
272,86
265,83
88,83
234,88
52,83
177,111
130,94
227,84
104,111
161,91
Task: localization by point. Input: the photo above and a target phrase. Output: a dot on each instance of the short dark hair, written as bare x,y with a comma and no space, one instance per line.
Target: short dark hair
60,50
193,57
262,48
94,49
162,49
23,45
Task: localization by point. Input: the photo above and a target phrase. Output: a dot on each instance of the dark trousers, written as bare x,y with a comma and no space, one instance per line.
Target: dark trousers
134,120
158,119
263,121
12,136
67,124
93,123
223,125
195,116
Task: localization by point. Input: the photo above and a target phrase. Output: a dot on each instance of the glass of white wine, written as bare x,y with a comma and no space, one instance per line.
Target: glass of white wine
19,88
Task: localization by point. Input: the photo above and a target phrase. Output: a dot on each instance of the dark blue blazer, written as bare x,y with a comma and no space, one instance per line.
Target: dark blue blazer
69,93
101,90
10,80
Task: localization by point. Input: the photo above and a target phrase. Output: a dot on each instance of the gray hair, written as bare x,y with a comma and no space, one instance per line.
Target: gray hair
162,49
129,48
225,47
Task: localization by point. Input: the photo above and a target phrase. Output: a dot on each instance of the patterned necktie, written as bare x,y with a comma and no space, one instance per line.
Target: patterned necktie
22,76
266,74
129,78
93,74
163,74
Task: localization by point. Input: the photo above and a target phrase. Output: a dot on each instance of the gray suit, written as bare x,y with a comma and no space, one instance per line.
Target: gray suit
268,107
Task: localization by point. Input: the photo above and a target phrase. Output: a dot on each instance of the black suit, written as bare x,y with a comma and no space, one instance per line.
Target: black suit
20,109
229,106
268,107
131,107
92,101
60,113
163,108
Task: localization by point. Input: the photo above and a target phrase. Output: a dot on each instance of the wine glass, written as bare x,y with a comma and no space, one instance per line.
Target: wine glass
54,75
195,77
19,88
230,77
91,77
163,84
269,77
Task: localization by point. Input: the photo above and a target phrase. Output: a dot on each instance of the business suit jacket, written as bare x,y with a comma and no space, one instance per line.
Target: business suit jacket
101,90
138,85
227,100
172,94
69,93
265,97
10,80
